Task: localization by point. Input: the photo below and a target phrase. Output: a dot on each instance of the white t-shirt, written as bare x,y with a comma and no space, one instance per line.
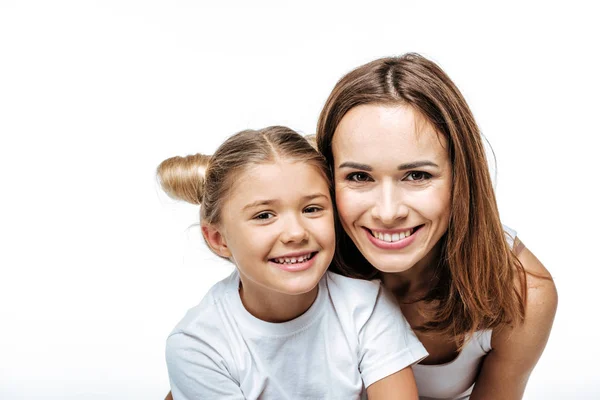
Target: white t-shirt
353,335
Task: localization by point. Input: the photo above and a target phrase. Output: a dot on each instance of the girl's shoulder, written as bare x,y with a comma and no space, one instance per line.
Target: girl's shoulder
359,289
359,298
207,315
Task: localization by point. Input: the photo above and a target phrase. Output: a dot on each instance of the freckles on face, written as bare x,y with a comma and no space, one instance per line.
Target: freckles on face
392,182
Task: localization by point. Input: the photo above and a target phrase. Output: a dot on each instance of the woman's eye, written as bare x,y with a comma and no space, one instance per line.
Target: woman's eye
264,215
418,176
358,177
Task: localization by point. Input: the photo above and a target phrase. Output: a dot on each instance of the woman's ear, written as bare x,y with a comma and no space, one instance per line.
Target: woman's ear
216,240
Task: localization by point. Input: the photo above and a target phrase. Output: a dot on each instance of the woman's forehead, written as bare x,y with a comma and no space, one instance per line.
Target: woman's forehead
376,130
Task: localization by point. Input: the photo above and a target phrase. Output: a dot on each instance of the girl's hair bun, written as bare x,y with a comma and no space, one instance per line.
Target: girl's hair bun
182,178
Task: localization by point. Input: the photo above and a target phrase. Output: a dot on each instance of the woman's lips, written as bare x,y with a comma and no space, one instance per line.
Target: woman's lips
392,239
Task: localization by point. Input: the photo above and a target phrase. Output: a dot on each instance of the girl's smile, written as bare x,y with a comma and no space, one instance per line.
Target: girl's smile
278,227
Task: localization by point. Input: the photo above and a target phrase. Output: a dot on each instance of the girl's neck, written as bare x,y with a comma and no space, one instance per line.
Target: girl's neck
271,306
414,283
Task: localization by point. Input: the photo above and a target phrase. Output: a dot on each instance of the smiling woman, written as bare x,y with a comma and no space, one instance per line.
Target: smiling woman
416,194
417,210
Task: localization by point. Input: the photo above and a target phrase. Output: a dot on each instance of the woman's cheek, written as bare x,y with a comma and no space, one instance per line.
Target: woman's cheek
346,202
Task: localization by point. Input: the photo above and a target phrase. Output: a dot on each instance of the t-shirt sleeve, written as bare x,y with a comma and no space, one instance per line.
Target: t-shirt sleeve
198,371
387,343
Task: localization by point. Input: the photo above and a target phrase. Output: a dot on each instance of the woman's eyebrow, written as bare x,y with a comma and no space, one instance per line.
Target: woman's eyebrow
354,165
417,164
411,165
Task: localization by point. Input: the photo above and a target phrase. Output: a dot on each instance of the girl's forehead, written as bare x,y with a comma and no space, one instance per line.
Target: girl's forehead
280,171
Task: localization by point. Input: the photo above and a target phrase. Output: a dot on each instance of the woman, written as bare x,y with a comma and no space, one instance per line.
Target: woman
418,211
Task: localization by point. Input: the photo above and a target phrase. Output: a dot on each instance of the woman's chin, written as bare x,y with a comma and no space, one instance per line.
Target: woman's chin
392,263
393,268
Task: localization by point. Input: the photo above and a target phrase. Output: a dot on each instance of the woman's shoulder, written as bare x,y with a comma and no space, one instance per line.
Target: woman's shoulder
541,295
541,301
517,347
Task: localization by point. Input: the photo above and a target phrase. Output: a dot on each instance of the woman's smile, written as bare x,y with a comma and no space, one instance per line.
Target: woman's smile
392,182
392,239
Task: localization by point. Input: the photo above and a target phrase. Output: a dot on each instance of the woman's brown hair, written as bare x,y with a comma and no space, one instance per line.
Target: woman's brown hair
206,180
477,269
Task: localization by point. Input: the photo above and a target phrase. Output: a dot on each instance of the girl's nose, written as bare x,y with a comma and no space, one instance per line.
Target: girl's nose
293,231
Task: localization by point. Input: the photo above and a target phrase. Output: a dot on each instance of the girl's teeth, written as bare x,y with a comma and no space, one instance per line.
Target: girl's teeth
292,260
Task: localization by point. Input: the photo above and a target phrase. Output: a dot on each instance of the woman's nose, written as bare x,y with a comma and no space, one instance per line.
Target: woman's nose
389,205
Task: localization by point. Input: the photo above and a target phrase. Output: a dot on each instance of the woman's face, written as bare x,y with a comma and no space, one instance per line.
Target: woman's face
393,180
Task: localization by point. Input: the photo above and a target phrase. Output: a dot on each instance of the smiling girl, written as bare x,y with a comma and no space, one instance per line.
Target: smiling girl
280,326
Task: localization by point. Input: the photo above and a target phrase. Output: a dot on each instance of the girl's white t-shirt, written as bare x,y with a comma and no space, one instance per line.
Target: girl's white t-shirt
353,335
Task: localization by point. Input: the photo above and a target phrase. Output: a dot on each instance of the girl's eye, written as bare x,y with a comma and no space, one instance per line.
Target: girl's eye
312,209
264,215
358,177
418,176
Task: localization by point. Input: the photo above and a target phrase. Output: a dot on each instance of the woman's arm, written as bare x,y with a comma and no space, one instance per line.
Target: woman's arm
398,386
516,350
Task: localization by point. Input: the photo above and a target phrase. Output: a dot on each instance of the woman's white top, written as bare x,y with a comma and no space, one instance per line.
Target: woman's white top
455,380
352,336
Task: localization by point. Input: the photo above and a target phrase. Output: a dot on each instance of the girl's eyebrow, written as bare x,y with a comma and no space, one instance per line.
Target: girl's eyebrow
259,203
314,196
267,202
401,167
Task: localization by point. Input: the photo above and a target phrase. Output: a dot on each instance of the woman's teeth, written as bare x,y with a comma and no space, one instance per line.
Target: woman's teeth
394,237
292,260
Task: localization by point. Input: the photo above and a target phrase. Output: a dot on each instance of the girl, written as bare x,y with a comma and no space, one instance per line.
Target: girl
280,327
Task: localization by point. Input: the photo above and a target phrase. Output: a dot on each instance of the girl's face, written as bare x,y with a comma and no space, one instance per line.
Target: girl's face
392,183
277,227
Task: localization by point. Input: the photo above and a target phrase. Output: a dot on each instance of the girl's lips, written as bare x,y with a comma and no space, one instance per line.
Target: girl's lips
298,266
397,245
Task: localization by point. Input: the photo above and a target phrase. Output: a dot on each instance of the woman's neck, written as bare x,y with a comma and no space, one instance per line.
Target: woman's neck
413,284
271,306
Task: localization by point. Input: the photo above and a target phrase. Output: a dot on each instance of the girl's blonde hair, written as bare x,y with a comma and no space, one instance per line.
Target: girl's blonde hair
206,180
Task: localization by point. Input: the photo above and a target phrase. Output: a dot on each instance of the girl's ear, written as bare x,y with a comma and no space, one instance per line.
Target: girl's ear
216,240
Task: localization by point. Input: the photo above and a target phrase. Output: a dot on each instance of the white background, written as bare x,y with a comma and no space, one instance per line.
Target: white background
97,265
